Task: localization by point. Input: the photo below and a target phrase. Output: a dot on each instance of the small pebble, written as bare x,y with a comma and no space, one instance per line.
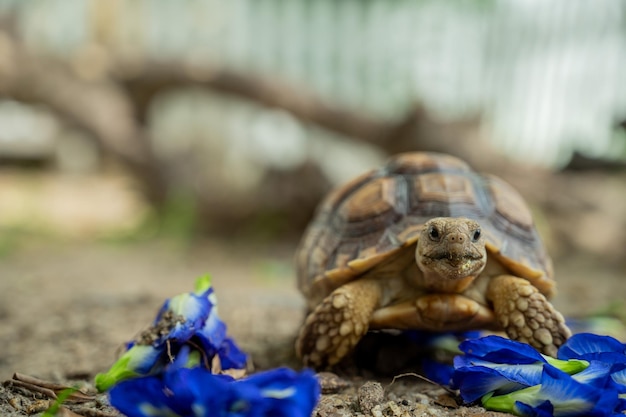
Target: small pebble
377,411
331,383
370,395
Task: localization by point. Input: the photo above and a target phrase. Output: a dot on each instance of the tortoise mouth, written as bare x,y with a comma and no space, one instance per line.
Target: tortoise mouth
454,257
449,271
454,264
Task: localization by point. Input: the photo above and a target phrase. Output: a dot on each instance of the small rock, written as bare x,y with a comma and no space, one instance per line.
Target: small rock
333,406
377,411
331,383
446,400
394,408
421,398
370,395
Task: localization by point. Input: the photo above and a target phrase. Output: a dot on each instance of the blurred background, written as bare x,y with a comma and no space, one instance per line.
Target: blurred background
145,142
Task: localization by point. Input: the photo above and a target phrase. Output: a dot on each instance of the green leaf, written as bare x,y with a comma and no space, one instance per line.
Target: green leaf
202,284
61,397
118,372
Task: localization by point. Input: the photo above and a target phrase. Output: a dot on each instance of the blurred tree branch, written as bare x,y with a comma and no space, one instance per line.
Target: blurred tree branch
298,101
414,130
99,107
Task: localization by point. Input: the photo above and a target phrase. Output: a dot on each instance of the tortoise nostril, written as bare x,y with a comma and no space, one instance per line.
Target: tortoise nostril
456,238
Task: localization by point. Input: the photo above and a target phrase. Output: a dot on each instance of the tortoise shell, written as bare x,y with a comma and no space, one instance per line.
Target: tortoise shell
379,213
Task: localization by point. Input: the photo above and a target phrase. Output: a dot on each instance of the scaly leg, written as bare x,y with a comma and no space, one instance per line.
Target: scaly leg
526,315
334,328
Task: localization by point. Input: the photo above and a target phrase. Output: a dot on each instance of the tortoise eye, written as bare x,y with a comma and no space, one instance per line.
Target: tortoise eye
433,233
476,235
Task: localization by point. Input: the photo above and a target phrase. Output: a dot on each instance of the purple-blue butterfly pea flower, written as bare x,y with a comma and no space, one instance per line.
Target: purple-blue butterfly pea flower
560,394
493,364
188,319
588,379
196,392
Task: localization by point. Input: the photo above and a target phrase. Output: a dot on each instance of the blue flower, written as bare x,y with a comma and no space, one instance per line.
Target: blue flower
181,391
188,319
168,370
438,372
558,394
493,364
588,379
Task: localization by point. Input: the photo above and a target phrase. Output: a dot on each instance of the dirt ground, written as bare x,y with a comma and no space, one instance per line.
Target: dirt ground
68,305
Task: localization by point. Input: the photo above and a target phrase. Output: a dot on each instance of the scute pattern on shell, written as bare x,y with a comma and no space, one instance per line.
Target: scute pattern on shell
382,211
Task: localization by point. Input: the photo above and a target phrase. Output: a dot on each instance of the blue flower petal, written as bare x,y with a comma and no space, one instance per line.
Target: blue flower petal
184,357
544,409
619,376
570,397
286,393
475,377
174,393
597,374
500,350
197,392
143,399
212,333
193,310
527,374
441,373
593,347
231,357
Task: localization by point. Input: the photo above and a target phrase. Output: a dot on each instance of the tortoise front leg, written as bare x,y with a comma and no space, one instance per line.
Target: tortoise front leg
334,328
526,315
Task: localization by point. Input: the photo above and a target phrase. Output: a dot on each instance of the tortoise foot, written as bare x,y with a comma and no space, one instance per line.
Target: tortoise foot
526,315
336,325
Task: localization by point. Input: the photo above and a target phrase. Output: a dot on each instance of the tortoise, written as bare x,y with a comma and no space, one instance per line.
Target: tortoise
424,243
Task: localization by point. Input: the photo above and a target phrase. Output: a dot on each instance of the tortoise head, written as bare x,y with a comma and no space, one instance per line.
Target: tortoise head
450,253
